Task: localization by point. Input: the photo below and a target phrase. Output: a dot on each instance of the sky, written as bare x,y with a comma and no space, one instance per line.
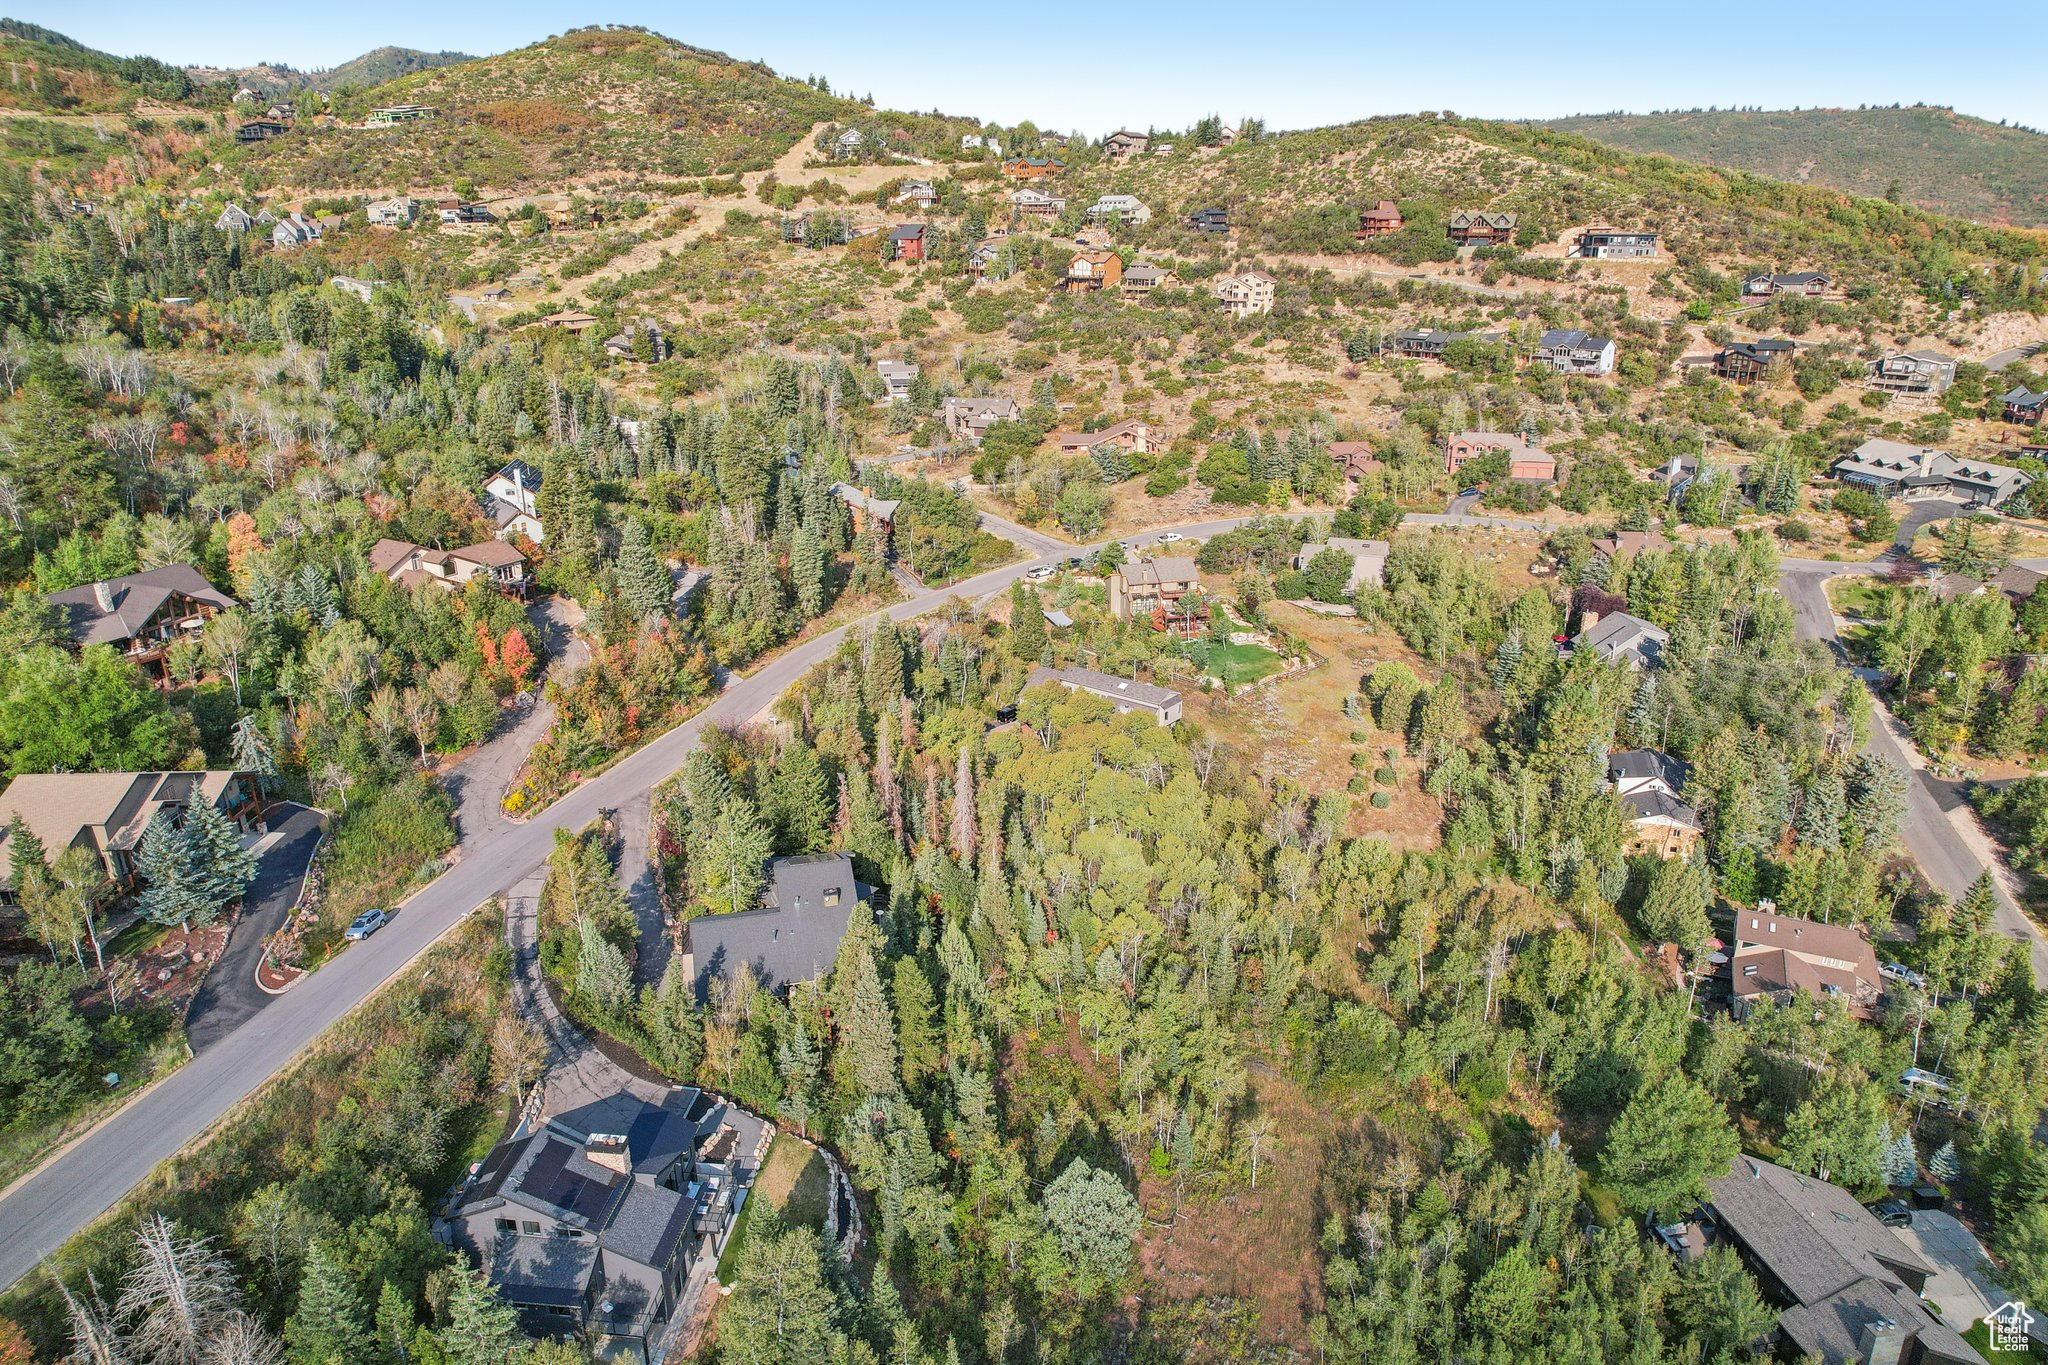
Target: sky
1092,67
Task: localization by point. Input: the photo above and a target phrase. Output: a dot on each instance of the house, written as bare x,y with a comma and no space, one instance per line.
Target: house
349,284
1123,143
453,212
968,419
259,130
1381,220
897,377
1368,559
1779,957
1125,694
972,142
141,614
409,565
1131,437
1621,637
850,142
2016,583
568,320
1208,220
591,1222
1527,462
297,230
1144,277
1246,294
1162,149
1031,203
396,212
866,507
984,255
1156,589
1630,543
234,218
1848,1289
1419,344
1032,167
1650,783
1480,229
284,111
1810,283
512,498
1615,244
1355,459
1675,475
626,344
1896,469
1913,372
918,192
109,812
907,241
1119,208
793,936
2022,405
497,293
1089,271
1570,351
392,115
1752,362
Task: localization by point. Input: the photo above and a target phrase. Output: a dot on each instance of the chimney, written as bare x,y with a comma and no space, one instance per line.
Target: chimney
609,1151
1882,1343
1588,619
103,593
1926,460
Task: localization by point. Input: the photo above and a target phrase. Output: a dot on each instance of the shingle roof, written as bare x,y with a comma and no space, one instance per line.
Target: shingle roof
650,1221
1619,635
137,596
1654,807
1126,690
1640,764
794,937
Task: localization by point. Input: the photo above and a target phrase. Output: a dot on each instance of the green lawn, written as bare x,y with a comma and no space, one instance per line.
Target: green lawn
1980,1337
794,1183
1856,596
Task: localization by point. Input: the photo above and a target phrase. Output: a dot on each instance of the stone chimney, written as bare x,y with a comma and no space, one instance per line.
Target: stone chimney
1925,464
103,593
1882,1342
1588,619
609,1151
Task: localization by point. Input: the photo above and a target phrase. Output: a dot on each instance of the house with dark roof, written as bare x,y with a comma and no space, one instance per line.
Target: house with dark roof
592,1221
1649,783
1847,1288
1166,590
1429,343
1123,143
1618,636
1211,219
1895,469
1810,283
410,565
1381,220
1914,373
1779,957
1480,229
2022,405
968,419
793,936
141,614
1571,351
1615,244
1752,362
866,507
512,498
1125,694
907,241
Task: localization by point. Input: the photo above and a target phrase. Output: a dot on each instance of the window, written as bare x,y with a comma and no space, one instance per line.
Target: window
1750,970
507,1225
530,1228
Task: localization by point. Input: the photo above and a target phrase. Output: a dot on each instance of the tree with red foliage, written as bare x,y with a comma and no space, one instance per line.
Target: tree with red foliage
516,657
487,654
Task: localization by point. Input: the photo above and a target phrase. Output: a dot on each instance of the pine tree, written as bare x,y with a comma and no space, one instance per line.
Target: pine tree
1820,814
482,1328
643,582
1944,1166
395,1322
807,568
1979,904
730,864
1901,1161
170,892
795,800
1027,624
252,753
330,1326
917,1038
864,1062
1507,657
224,869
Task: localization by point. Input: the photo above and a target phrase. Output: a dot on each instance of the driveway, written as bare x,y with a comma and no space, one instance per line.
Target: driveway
1958,1286
1923,514
229,997
478,782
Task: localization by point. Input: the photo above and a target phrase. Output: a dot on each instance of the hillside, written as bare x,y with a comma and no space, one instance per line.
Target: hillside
50,73
272,80
1924,155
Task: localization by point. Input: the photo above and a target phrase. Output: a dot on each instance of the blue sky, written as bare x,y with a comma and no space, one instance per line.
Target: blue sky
1095,66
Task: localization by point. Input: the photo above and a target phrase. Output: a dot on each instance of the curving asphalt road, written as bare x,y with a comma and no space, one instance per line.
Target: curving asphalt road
230,997
44,1209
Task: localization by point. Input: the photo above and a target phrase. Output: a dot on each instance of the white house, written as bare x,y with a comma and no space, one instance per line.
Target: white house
513,497
897,377
297,230
1124,208
397,212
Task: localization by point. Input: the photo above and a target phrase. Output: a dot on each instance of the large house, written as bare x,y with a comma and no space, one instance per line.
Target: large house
1032,167
1130,436
1527,462
234,218
393,115
1157,589
1896,469
593,1221
1144,277
1355,459
1649,783
109,812
968,419
1368,558
1615,244
907,241
1480,229
2022,405
1913,372
1213,219
1848,1288
1121,208
259,130
1570,351
1430,343
1125,694
791,937
1123,143
141,614
1093,270
1777,957
295,230
919,192
513,494
1810,283
397,212
1245,294
1381,220
865,507
1753,362
1035,203
1620,637
897,377
408,565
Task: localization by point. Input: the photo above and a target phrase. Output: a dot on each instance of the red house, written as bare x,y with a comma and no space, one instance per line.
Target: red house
907,242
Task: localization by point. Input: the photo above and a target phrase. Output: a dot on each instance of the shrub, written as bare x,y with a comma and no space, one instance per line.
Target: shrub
1794,530
1386,777
1356,786
1359,760
1381,800
1360,736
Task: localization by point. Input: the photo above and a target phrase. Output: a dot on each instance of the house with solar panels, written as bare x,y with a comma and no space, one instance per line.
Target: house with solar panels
592,1222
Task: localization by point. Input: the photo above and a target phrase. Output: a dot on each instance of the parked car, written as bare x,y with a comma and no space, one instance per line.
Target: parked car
1469,493
1170,537
1896,971
366,924
1043,571
1893,1213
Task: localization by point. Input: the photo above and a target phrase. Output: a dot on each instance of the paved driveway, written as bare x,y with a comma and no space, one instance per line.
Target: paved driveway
229,997
1958,1287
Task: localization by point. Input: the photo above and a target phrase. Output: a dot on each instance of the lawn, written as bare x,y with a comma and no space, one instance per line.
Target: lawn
793,1183
1236,665
1857,595
1979,1336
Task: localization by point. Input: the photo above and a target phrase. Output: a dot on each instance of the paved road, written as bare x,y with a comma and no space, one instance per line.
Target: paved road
230,997
2007,357
1939,828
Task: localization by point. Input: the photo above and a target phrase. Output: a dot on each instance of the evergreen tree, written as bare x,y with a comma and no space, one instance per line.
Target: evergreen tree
330,1326
395,1323
1507,657
731,866
482,1328
1944,1165
917,1039
795,800
1670,1140
864,1062
173,891
807,570
223,868
1820,813
1027,624
643,581
1901,1161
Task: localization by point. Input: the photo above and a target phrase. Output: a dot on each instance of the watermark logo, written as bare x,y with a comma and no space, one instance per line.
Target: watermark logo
2008,1324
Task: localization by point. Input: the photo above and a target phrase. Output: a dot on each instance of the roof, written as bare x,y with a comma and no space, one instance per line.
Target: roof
1642,765
136,598
1122,690
1835,942
2015,581
1143,273
59,807
1497,221
1620,635
490,554
1517,447
1571,338
1631,542
1163,569
550,1272
794,936
906,232
2019,395
860,498
1653,807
